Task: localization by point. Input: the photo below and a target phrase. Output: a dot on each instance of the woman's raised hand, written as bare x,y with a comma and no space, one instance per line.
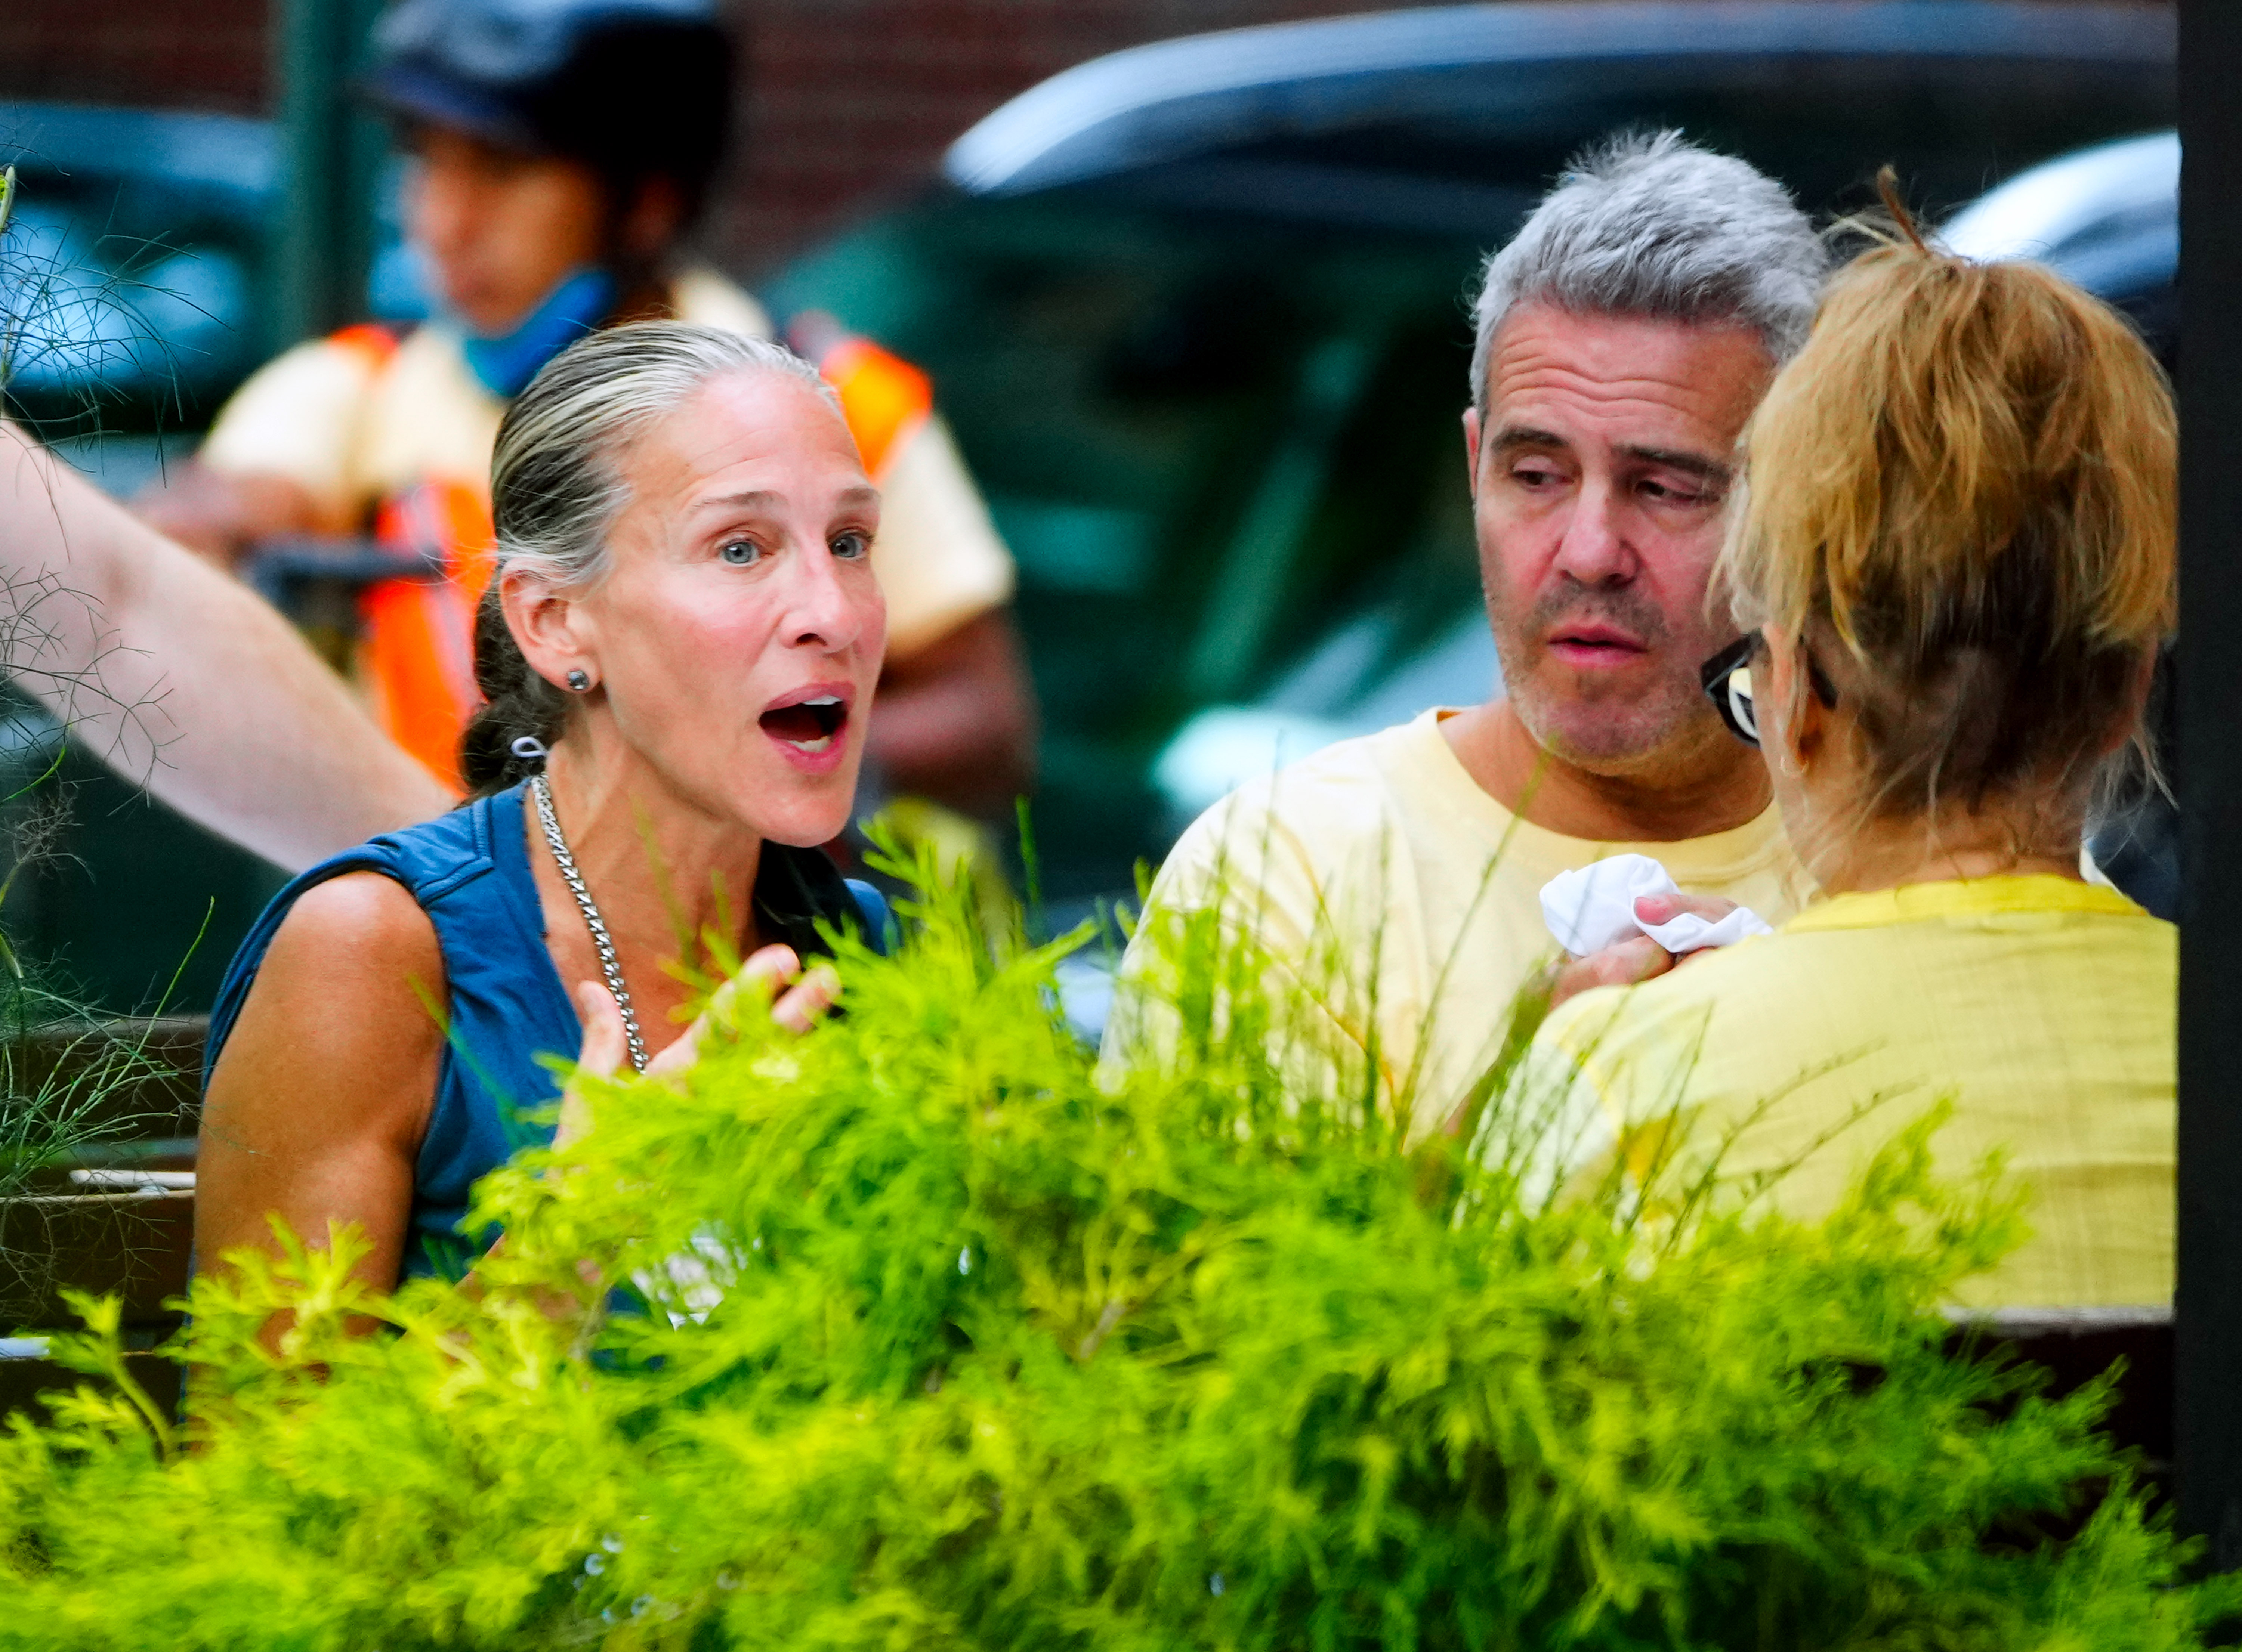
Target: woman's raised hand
800,999
1637,959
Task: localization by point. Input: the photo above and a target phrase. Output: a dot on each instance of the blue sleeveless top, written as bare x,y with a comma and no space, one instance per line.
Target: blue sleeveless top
470,871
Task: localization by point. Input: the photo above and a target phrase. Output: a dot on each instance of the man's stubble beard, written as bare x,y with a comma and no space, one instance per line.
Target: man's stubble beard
1660,733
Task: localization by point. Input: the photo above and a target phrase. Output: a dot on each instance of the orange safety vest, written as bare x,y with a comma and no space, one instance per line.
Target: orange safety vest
416,639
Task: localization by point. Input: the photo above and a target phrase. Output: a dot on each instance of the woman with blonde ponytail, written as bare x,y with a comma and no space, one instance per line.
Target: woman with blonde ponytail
1955,559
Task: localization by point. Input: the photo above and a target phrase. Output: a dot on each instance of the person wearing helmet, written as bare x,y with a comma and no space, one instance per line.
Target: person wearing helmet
563,150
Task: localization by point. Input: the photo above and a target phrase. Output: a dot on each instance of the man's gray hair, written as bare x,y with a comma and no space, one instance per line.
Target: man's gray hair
1649,224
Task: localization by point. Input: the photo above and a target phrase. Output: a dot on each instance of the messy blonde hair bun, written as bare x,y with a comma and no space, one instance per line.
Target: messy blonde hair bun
1962,496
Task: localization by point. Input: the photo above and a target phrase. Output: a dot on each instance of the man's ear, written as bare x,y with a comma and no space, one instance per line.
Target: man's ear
547,626
1471,451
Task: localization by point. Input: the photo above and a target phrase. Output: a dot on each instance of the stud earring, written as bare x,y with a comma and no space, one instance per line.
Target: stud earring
581,681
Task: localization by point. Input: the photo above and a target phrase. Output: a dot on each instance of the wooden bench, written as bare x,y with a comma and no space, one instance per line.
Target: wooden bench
117,1216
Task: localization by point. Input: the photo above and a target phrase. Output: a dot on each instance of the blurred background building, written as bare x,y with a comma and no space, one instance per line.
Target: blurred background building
853,101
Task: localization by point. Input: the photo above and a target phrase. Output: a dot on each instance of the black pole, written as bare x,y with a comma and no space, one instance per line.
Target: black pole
331,152
2208,1307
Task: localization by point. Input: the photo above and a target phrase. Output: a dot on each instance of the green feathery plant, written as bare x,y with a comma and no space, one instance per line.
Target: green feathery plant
921,1331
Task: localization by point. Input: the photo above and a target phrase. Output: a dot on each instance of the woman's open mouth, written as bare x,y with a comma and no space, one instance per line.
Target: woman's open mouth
810,725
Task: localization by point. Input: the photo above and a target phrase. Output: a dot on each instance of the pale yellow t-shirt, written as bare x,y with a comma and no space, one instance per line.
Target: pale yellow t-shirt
2044,1008
1403,903
353,429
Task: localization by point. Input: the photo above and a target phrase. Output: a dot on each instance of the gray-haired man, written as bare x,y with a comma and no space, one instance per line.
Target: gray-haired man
1624,336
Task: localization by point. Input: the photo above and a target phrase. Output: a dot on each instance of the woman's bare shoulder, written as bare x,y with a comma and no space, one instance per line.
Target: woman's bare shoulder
319,1100
372,918
354,969
360,925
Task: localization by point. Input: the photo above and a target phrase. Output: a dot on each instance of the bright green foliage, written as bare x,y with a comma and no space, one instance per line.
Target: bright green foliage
948,1345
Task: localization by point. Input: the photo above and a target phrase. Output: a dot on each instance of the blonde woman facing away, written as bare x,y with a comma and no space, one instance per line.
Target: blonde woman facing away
1957,550
678,651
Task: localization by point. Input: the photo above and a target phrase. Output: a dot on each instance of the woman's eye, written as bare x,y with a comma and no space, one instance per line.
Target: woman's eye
850,547
739,553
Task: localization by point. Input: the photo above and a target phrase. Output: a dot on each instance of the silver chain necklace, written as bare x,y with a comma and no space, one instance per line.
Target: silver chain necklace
601,943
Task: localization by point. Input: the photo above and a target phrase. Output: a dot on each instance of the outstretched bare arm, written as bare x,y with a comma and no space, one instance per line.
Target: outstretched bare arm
182,680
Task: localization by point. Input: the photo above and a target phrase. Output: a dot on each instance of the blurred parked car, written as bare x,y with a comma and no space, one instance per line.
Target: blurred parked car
1197,312
133,264
136,270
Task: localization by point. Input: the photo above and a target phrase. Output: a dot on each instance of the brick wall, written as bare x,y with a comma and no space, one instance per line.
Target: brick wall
853,101
182,54
856,100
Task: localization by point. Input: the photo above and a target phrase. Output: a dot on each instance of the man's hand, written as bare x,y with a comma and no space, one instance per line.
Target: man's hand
1638,958
800,999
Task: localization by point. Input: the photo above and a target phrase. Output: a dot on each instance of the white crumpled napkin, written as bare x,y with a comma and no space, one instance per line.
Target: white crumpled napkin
1594,909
